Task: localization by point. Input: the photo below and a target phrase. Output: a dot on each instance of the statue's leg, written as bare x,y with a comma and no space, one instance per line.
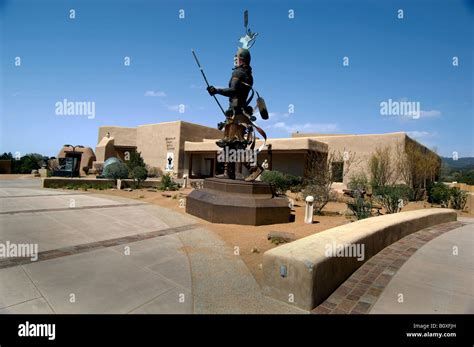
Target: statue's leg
255,171
230,170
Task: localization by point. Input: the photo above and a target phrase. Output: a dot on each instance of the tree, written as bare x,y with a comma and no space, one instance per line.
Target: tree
322,176
137,169
417,166
27,163
381,168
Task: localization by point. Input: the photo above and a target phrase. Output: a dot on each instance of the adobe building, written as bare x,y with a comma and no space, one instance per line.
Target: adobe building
184,148
363,147
161,145
84,158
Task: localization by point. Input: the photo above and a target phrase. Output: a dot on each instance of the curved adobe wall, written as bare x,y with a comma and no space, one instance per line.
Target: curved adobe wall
303,270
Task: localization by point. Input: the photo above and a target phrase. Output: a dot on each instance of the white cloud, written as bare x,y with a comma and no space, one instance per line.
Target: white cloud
431,113
416,134
275,116
157,93
177,108
306,127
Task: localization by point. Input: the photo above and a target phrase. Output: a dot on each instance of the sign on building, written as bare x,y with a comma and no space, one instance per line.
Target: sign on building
169,162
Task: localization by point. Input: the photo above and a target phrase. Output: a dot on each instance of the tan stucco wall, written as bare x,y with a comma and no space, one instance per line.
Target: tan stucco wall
194,132
154,141
123,136
363,146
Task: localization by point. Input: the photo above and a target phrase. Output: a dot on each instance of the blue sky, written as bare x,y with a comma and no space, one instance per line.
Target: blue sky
296,62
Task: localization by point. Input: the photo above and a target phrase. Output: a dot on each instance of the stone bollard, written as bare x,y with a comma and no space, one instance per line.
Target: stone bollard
185,181
308,212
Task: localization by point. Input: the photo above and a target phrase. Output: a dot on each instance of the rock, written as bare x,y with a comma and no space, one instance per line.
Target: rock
255,250
280,237
128,190
166,195
260,266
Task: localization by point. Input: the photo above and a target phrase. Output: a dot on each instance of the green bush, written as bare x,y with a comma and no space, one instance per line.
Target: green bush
139,174
116,171
277,179
360,207
358,181
135,160
439,193
167,183
26,163
81,185
458,198
392,197
282,182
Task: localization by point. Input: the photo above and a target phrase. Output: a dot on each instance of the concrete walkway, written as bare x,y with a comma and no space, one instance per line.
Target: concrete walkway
438,278
103,254
420,273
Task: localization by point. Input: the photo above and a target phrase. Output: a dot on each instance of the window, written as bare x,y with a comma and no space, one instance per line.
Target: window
337,171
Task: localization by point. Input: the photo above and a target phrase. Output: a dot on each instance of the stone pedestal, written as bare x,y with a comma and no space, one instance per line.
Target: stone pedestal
238,202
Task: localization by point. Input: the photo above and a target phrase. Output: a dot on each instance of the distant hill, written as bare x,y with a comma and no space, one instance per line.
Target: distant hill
466,163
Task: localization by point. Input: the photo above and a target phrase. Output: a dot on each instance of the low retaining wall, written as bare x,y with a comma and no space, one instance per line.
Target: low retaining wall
301,273
63,182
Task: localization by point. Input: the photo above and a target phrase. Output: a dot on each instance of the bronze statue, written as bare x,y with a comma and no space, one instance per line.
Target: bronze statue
239,126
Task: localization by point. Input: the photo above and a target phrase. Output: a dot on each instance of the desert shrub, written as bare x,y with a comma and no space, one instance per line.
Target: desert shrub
358,181
277,179
392,197
167,183
458,198
282,182
361,207
295,183
439,193
138,174
381,167
154,171
320,194
116,171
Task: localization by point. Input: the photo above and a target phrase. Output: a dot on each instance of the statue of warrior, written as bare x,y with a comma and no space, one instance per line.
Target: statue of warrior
239,124
238,116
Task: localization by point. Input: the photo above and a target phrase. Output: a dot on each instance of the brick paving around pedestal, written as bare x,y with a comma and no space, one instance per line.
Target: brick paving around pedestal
362,289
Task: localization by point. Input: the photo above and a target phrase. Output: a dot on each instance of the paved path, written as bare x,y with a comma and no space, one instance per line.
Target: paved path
438,278
420,273
103,254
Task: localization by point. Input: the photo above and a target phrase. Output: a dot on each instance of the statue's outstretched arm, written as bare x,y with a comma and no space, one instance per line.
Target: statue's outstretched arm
232,90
